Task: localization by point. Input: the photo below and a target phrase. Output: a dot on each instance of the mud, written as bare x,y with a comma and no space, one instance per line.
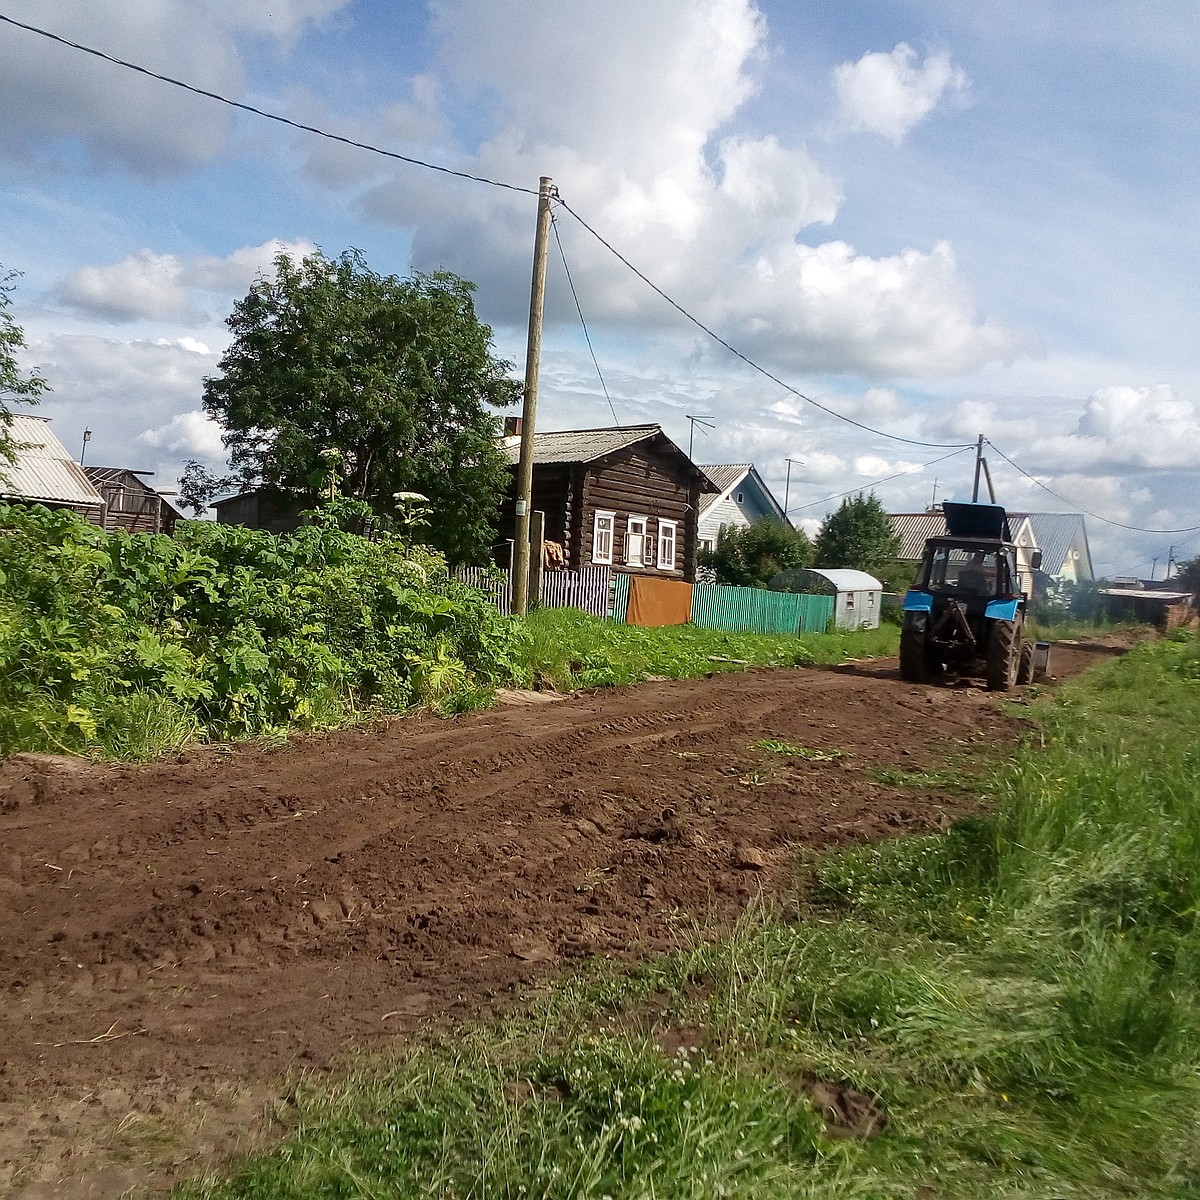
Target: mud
175,936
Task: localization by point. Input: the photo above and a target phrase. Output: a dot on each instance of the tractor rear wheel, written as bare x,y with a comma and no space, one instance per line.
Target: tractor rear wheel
1025,666
913,665
1003,656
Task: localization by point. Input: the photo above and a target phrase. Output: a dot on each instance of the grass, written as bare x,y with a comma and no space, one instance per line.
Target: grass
569,649
1019,995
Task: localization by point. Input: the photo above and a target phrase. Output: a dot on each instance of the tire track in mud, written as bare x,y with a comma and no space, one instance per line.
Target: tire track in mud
235,913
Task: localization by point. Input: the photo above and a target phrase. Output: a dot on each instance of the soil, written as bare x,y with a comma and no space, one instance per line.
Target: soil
179,935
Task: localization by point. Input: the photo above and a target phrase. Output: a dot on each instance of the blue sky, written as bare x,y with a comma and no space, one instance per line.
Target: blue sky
937,219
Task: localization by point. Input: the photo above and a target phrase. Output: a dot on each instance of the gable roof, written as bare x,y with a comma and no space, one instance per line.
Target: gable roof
913,528
125,477
43,469
566,446
1055,534
727,476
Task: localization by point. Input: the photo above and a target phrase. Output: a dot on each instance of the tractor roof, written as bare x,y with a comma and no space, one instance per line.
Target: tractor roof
965,520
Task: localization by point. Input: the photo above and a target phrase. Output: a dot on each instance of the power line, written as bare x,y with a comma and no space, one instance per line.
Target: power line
1079,507
716,337
261,112
885,479
586,336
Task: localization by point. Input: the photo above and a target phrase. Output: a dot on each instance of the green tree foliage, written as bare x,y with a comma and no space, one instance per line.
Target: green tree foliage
15,386
396,376
1188,575
128,644
858,535
748,555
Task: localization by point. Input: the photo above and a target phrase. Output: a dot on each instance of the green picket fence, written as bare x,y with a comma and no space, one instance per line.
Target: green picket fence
753,610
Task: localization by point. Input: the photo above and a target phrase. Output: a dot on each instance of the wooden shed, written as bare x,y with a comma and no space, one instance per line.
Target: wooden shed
624,496
131,503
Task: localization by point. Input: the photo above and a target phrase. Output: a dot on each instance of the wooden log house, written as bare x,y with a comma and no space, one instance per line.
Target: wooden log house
625,497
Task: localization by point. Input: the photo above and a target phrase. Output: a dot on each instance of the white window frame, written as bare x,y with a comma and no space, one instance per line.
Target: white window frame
638,559
667,563
603,554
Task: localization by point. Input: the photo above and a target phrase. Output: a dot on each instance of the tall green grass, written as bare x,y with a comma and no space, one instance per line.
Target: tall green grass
1019,995
569,649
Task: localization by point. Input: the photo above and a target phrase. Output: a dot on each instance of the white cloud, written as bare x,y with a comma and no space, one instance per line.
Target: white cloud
151,286
188,435
119,118
890,94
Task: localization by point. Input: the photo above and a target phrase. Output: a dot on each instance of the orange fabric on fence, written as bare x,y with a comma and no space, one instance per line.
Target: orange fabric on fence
654,602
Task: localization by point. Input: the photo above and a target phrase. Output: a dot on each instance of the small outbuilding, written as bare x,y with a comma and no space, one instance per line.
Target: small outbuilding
857,595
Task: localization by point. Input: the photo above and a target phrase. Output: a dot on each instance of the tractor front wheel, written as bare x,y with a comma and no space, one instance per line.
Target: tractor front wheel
1003,656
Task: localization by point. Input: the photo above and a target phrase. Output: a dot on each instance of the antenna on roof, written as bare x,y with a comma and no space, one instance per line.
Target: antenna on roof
705,421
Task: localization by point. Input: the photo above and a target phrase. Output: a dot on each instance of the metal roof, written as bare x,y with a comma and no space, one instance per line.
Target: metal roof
1055,534
913,528
727,476
847,580
43,469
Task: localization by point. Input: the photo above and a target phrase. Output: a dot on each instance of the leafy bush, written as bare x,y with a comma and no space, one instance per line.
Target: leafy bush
132,644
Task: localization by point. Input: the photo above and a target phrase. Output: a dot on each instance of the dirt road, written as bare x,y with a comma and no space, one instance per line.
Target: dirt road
176,935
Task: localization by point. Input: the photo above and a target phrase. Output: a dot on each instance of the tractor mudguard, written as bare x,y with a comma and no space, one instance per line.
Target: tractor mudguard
915,601
1001,610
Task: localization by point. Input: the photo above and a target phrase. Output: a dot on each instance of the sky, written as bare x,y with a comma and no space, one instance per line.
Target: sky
935,219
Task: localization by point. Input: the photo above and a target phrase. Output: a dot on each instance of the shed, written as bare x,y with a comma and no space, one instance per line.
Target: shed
45,473
857,595
132,504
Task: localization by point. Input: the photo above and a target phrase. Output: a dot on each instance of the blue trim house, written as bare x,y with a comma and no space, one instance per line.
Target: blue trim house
741,499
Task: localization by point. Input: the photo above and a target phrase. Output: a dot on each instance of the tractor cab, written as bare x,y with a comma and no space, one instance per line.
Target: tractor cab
969,568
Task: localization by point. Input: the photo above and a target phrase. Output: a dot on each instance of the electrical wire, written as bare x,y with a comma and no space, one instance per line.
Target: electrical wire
586,336
716,337
1079,507
877,482
261,112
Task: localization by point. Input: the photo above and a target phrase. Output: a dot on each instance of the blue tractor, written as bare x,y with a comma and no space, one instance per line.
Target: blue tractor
965,612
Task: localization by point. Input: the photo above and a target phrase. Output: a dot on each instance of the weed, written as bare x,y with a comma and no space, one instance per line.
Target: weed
791,750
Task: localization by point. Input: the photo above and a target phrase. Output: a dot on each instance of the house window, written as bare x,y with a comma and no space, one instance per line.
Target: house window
636,545
666,545
741,496
602,537
707,543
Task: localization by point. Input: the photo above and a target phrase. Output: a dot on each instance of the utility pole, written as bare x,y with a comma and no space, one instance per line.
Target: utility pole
533,353
933,502
787,487
87,437
706,422
978,464
1154,569
987,474
1170,563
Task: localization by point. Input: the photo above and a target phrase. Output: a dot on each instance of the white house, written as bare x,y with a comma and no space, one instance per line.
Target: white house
741,499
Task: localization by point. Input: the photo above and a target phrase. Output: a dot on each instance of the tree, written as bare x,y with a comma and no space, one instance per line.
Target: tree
858,535
396,377
1187,574
15,387
748,555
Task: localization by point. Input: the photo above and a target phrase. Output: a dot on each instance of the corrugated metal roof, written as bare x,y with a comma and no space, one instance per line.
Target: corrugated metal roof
913,528
579,445
44,470
847,580
1055,533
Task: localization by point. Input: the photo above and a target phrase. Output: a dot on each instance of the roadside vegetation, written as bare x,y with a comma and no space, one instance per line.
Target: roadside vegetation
127,646
130,646
569,649
1009,1009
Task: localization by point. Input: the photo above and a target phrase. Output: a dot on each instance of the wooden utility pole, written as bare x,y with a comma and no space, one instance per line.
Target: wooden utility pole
978,463
787,486
987,474
533,354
